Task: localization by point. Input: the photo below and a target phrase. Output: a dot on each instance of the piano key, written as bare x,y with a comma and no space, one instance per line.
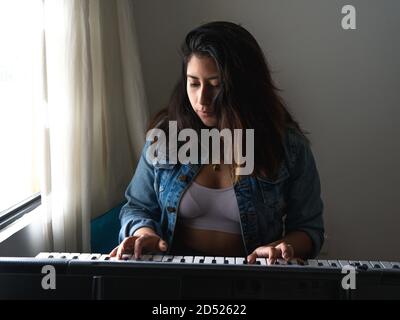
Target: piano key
312,263
158,258
54,255
84,256
261,261
386,264
355,263
344,263
219,260
43,255
240,261
147,257
167,258
334,263
281,262
395,265
208,259
104,257
229,260
294,262
323,263
376,264
95,256
177,259
198,259
366,264
188,259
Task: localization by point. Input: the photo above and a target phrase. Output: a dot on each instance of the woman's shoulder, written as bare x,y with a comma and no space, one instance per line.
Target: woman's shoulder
295,143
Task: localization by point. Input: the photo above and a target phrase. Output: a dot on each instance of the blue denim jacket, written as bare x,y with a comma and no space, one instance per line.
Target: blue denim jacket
268,209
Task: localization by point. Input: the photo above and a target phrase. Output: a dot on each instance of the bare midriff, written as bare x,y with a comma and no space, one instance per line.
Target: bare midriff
212,242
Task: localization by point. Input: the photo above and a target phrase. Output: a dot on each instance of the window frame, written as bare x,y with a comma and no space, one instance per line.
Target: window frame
12,214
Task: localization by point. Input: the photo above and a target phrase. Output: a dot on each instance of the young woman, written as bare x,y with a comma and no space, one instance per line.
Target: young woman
200,209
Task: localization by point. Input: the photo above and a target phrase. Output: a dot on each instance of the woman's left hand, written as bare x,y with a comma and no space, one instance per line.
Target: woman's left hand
272,252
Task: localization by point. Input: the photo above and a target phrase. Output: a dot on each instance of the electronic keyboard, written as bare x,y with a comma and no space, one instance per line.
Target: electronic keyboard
99,276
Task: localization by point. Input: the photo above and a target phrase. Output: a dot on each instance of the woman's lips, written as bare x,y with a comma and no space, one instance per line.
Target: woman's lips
205,114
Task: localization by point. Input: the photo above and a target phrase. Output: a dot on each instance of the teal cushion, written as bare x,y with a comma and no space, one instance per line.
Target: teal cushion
104,231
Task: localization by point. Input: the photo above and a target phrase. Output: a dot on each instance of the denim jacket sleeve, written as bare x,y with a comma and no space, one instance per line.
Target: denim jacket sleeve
142,208
305,207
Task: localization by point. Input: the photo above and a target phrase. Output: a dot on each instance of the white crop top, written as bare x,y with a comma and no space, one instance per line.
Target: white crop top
210,209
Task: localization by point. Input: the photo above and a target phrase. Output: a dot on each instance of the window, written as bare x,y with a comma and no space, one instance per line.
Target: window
20,23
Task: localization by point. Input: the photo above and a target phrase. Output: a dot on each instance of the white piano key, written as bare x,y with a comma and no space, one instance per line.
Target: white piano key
54,255
294,262
177,259
366,263
219,260
198,259
208,259
281,262
240,261
146,257
386,264
43,255
376,265
188,259
158,258
344,263
334,263
95,256
229,260
323,263
312,263
261,261
84,256
167,258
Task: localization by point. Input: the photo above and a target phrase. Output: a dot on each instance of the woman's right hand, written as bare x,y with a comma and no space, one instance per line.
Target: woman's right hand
138,243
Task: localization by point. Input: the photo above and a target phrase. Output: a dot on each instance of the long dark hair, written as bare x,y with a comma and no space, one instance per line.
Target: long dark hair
248,98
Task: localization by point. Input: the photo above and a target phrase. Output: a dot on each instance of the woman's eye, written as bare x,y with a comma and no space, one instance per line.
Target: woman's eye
194,84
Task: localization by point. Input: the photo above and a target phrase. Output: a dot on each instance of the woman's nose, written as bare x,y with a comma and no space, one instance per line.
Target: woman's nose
205,96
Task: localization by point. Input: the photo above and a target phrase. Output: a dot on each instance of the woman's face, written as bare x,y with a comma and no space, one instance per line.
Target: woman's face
203,84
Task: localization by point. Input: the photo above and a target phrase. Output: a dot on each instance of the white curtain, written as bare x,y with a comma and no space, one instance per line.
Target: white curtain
94,115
